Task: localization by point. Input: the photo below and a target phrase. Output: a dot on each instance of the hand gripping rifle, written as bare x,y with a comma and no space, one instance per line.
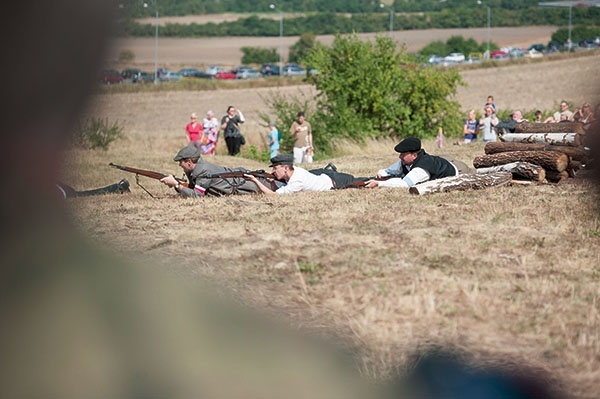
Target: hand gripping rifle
148,173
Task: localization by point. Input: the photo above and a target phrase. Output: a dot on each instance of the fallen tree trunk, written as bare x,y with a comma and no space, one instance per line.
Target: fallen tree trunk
563,138
525,170
561,127
549,160
470,181
577,154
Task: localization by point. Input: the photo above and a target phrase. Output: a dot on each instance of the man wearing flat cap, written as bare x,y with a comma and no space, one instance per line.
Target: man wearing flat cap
198,173
416,166
299,179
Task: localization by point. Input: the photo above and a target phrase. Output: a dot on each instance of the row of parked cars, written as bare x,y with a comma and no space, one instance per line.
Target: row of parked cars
112,76
533,51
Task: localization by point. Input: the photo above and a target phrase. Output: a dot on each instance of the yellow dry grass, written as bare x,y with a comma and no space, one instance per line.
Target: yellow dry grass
509,273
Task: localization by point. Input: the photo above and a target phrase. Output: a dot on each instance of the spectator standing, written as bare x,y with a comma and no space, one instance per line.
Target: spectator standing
490,102
470,127
274,138
230,124
488,124
194,131
211,134
301,131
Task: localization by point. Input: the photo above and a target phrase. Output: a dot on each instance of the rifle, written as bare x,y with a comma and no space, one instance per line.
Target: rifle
363,180
240,174
148,173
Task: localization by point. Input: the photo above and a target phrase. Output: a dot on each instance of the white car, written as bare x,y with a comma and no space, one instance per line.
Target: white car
213,70
455,58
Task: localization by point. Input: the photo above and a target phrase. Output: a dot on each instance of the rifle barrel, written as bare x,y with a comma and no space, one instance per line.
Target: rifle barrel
143,172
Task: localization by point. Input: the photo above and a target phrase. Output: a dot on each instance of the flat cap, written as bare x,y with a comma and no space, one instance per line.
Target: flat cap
188,152
282,159
409,144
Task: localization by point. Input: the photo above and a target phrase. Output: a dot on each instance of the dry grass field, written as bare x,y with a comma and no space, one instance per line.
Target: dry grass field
507,274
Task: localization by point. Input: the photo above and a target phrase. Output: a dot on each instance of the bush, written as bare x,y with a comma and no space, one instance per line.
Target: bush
372,90
98,133
256,55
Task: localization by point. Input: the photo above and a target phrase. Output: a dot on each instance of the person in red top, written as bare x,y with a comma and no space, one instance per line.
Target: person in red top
194,131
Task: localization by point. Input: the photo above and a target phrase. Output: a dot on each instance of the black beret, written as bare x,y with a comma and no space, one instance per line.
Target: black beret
409,144
282,159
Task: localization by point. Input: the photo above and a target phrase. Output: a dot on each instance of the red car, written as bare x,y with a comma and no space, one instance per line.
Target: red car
499,55
224,75
110,76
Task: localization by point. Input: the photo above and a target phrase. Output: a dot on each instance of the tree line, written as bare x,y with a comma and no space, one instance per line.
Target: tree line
456,14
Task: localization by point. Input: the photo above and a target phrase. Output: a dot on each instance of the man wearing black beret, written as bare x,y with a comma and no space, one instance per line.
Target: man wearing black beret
416,166
299,179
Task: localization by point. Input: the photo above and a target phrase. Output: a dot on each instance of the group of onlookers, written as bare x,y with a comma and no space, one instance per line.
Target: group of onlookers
489,124
205,135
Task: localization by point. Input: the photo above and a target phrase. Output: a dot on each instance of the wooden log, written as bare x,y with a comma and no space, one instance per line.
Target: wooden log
575,153
524,170
563,138
561,127
549,160
469,181
556,177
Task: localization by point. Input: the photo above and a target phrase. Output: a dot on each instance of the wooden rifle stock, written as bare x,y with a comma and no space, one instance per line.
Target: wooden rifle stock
148,173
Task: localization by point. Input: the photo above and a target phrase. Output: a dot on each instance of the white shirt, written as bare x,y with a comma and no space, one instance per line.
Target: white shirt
303,180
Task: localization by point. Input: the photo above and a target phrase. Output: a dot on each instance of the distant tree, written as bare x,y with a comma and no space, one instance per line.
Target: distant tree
256,55
369,89
301,48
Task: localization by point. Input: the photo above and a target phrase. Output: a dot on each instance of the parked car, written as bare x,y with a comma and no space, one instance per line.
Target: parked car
435,59
499,55
533,53
455,58
225,75
516,53
111,76
270,69
129,73
293,70
539,47
588,44
143,77
246,72
200,75
187,72
213,70
169,76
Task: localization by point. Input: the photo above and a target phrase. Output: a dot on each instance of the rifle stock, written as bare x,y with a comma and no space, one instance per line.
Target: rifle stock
148,173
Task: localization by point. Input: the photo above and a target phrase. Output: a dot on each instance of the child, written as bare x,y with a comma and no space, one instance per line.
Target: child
274,137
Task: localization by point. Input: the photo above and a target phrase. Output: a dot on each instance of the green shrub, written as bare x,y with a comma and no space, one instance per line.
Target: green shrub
98,133
255,55
372,90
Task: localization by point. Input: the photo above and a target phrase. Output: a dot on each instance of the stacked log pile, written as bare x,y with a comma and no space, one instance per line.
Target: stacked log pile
536,152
